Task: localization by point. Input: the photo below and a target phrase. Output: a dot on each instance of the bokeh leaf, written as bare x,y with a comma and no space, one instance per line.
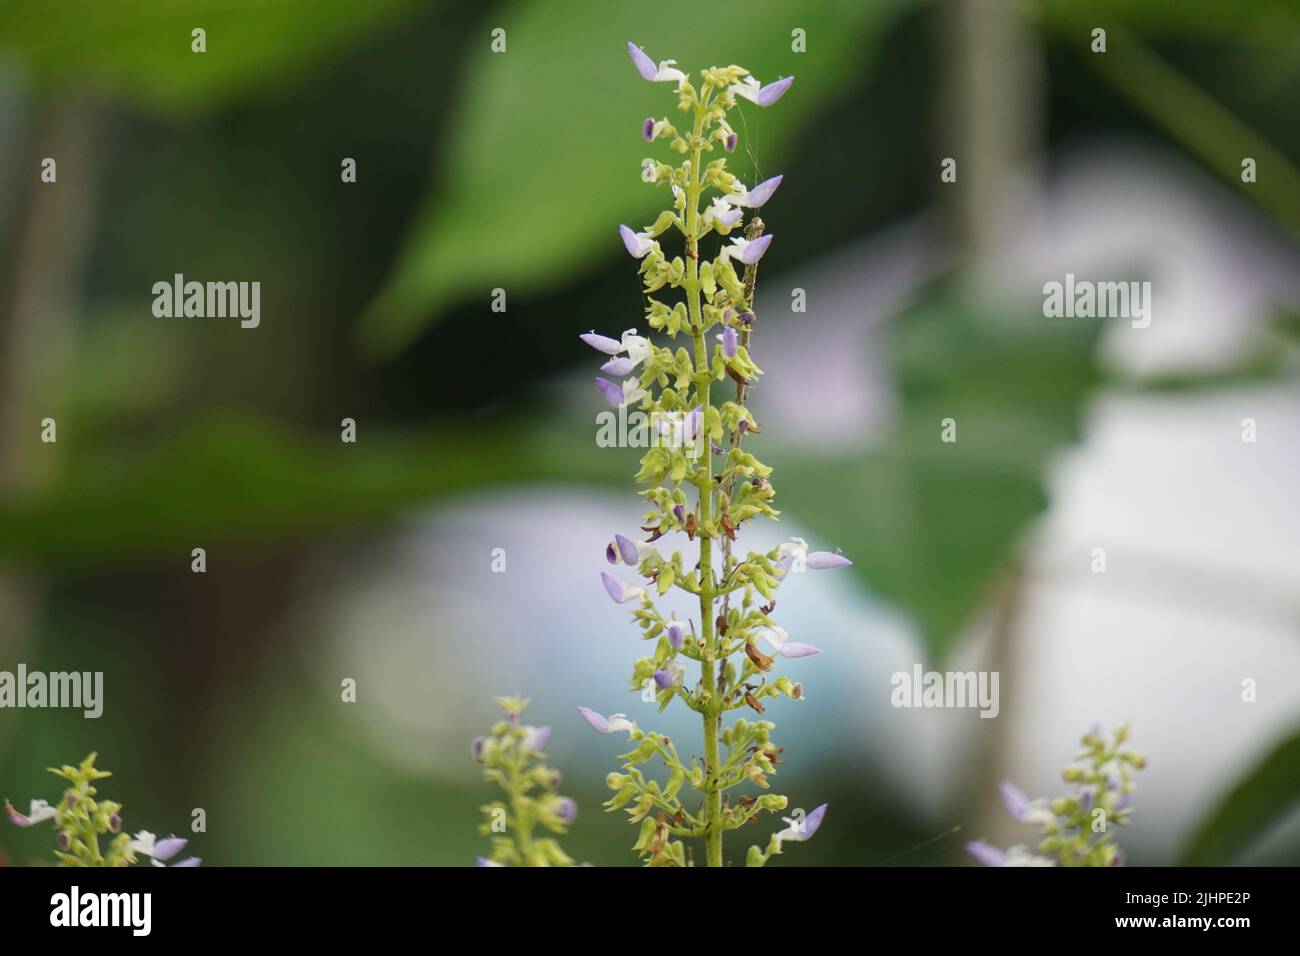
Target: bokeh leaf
930,524
1261,799
140,49
545,154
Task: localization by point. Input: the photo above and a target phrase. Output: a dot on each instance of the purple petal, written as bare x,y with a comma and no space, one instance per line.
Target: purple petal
602,343
768,94
597,721
189,862
986,853
729,342
646,66
754,250
477,749
785,564
795,650
627,549
630,241
484,861
648,128
747,319
610,554
827,560
676,634
613,586
813,821
618,367
613,394
18,819
679,512
663,679
763,191
566,808
168,848
1014,799
730,143
537,739
693,421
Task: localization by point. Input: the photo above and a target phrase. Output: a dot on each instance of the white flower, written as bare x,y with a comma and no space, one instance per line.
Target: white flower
723,213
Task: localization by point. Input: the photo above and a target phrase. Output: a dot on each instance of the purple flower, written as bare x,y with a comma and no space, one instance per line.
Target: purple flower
986,853
748,251
613,394
637,243
795,650
167,848
826,561
730,143
62,841
536,738
627,549
478,749
114,823
610,554
655,74
620,592
730,343
803,829
664,678
676,632
566,808
753,198
484,861
602,343
606,725
39,812
1014,799
189,862
648,127
750,89
747,319
679,512
618,366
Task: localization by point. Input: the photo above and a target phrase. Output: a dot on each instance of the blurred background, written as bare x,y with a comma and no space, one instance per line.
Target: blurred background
476,429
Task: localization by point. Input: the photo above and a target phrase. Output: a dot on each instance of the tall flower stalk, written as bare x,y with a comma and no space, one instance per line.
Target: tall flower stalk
701,483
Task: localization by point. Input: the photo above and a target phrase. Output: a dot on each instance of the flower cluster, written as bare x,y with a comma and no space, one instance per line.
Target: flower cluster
513,758
1075,827
702,485
81,821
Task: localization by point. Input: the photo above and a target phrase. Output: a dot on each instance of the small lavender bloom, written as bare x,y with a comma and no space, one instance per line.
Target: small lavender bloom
1014,800
602,343
637,244
742,426
795,650
730,343
618,366
566,808
785,564
679,512
648,128
62,841
826,561
747,319
484,861
694,419
663,678
168,848
536,738
986,853
773,91
620,592
676,633
610,554
754,249
114,823
606,725
40,812
644,65
730,143
478,749
189,863
715,447
627,549
754,198
613,394
801,830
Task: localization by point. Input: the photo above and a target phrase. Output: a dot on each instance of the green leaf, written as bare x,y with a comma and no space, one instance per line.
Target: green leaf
930,524
141,49
1261,799
545,154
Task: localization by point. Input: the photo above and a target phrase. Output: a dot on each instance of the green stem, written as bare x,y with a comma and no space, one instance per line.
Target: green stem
711,712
